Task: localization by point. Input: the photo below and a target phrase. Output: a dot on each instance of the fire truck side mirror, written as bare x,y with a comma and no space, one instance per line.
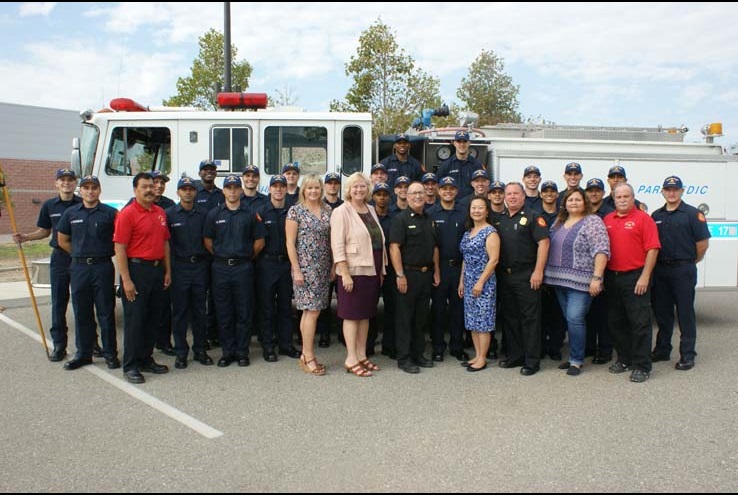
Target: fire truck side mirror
75,163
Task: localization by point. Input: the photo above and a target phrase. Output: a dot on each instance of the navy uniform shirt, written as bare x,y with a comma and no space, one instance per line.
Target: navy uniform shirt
519,237
209,200
412,169
386,223
535,203
449,231
461,171
604,209
292,199
335,205
51,212
256,202
416,235
165,203
273,219
550,218
233,231
185,230
89,229
679,232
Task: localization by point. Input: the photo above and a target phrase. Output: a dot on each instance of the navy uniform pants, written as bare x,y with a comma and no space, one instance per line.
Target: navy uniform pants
521,307
93,290
233,291
389,295
629,319
274,302
60,279
674,286
139,335
443,297
188,293
412,315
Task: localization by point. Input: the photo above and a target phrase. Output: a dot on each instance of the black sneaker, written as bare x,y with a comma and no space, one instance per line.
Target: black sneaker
639,376
618,367
574,370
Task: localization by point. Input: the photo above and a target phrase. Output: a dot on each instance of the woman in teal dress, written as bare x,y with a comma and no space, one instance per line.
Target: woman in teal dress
480,248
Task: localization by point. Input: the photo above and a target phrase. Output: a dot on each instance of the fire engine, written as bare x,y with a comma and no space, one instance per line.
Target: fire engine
649,155
127,138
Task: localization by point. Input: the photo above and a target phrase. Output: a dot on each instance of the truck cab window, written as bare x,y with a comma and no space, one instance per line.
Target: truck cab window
138,149
306,145
231,148
351,150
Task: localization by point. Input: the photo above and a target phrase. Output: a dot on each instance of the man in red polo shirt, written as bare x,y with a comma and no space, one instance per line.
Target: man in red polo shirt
634,247
142,254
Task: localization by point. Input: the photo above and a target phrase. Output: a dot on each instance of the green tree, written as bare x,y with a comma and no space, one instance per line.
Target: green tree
284,97
386,82
207,73
488,91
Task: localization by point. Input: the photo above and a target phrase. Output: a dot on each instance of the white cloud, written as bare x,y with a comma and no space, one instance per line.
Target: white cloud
36,8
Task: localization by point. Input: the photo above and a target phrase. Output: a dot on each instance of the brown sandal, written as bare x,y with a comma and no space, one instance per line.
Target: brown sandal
358,370
319,369
369,365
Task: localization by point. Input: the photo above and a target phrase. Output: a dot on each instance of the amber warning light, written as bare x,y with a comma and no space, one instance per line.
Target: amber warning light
252,101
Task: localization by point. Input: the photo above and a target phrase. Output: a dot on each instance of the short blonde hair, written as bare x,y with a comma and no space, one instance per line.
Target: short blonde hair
353,179
309,181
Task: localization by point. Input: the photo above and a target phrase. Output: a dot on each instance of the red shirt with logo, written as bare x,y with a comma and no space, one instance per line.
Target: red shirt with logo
142,231
631,237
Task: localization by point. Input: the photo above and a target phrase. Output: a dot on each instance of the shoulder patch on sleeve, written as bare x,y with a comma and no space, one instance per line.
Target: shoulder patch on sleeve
541,222
701,217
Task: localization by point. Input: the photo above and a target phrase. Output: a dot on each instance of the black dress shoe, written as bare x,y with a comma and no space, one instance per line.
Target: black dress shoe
324,342
134,376
180,363
77,363
658,356
460,356
97,351
437,357
226,361
423,362
152,366
270,356
408,367
601,359
684,364
167,350
203,359
244,361
57,354
507,363
113,363
529,370
472,369
290,352
565,366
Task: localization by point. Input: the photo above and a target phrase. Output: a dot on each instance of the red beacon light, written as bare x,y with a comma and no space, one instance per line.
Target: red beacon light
248,101
127,105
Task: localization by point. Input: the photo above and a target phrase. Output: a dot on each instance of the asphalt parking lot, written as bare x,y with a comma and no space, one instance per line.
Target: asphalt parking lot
270,427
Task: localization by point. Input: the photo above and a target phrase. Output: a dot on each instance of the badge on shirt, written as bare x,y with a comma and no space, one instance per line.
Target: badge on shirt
523,221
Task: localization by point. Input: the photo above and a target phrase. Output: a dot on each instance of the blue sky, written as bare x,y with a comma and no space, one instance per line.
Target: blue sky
640,64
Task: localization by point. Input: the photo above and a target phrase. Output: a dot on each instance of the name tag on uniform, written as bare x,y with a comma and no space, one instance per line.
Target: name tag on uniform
441,221
221,221
176,225
55,215
411,226
77,221
268,222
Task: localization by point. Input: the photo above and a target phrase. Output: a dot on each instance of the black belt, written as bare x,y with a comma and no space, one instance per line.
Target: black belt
281,258
628,272
675,262
91,261
451,262
190,259
141,261
232,261
422,269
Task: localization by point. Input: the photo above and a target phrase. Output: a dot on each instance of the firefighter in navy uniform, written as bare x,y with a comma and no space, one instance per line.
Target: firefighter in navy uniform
86,233
599,342
684,241
615,176
190,274
449,220
523,254
291,172
401,163
414,253
274,276
531,180
48,218
235,236
461,165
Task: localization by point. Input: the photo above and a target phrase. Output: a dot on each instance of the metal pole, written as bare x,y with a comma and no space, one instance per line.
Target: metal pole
22,257
227,47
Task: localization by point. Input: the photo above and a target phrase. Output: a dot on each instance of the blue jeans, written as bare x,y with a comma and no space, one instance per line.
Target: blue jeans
575,305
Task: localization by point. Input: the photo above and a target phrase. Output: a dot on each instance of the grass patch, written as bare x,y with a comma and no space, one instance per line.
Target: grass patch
32,249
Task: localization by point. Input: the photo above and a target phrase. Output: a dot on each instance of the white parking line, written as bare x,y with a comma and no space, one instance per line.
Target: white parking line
134,391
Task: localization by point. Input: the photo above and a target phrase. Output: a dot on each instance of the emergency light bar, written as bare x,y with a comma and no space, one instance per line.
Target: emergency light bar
251,101
127,105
